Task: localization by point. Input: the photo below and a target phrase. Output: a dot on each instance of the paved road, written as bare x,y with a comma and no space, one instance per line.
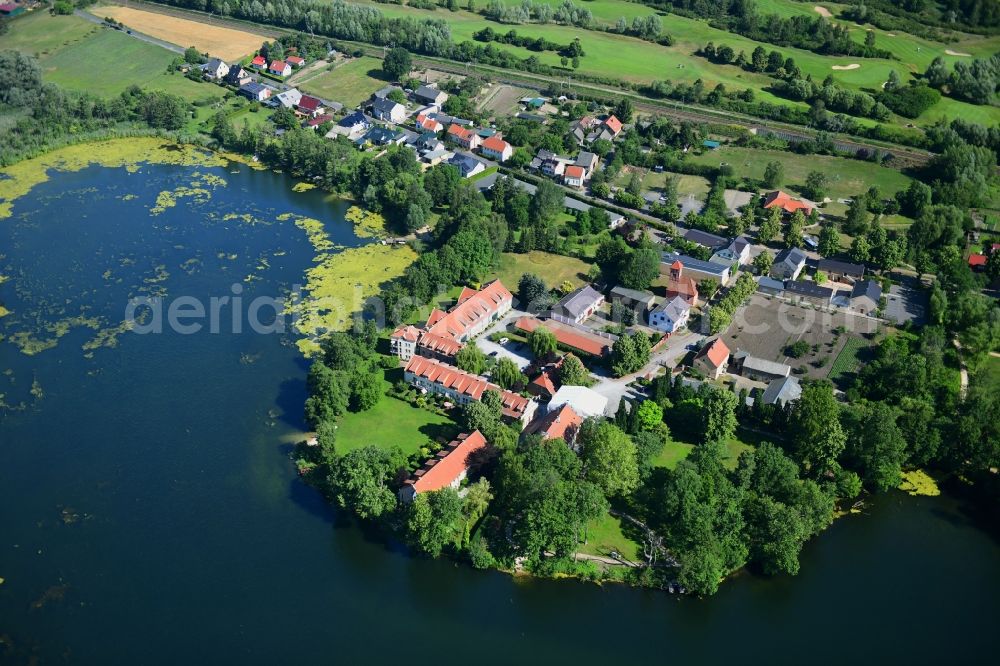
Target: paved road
138,35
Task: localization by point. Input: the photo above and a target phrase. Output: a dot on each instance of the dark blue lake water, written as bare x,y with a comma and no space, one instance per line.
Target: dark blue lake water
149,513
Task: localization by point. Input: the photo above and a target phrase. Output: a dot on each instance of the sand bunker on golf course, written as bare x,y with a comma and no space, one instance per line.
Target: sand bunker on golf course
823,11
958,53
841,68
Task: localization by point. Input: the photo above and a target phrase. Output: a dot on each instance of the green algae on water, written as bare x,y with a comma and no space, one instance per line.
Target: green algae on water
919,483
366,223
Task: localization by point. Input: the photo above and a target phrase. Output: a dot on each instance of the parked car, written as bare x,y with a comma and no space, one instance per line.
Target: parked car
504,341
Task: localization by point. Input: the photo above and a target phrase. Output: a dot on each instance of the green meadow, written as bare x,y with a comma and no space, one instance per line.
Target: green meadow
80,55
619,56
349,83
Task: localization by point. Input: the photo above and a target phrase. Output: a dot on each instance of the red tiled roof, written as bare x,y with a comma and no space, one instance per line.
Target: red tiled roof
467,293
613,124
568,336
574,172
278,64
448,465
543,383
438,344
496,144
319,120
428,123
786,202
259,60
295,60
309,103
459,132
977,260
442,374
470,309
716,353
562,422
409,333
435,316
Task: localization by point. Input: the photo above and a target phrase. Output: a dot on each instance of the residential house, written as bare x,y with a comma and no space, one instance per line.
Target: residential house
352,123
770,286
463,388
388,111
311,106
736,253
788,264
613,126
697,269
288,99
787,203
444,333
467,165
574,176
712,359
841,271
640,302
781,391
463,136
584,401
578,305
295,61
558,423
280,68
670,315
547,382
582,128
497,149
802,291
428,124
259,62
435,157
866,296
705,239
430,95
759,369
446,469
215,69
679,284
255,91
316,121
237,76
428,141
381,136
588,161
977,262
570,337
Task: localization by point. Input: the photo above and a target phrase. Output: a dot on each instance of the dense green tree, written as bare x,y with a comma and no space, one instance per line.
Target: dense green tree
770,227
397,64
719,415
361,480
542,342
774,175
649,415
642,268
762,262
531,292
814,427
366,390
329,394
609,458
433,520
572,372
471,359
875,445
507,374
829,240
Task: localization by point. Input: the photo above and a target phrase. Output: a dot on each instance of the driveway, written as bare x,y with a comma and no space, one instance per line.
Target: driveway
515,351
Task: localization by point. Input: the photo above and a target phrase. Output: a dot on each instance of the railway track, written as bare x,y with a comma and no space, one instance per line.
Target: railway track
902,156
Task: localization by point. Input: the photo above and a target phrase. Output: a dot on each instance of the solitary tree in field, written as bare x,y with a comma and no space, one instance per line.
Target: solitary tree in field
397,63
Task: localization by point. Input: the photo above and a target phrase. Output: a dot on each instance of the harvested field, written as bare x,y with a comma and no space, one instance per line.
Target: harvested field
767,326
225,43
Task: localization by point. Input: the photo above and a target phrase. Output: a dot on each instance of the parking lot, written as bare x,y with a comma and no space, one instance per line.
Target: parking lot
765,328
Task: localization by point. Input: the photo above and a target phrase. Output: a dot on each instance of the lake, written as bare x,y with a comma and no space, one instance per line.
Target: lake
150,513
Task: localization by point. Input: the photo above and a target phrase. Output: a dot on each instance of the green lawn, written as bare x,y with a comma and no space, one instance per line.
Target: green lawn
553,268
651,180
847,361
40,34
847,177
392,422
349,83
79,55
609,533
675,451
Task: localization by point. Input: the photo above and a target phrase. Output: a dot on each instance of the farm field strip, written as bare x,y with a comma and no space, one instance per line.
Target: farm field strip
221,42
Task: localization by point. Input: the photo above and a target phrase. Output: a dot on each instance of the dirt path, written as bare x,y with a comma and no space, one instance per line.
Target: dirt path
963,387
